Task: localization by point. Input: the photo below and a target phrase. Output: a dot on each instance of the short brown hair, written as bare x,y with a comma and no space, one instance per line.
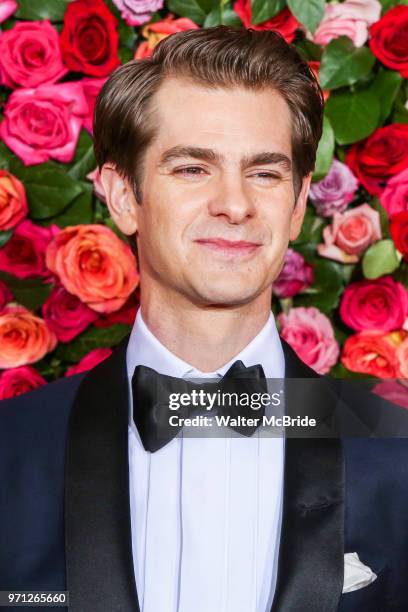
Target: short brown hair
221,56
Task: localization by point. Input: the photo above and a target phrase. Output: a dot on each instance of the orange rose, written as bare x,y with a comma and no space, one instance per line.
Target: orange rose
373,353
13,201
24,337
95,265
402,355
154,32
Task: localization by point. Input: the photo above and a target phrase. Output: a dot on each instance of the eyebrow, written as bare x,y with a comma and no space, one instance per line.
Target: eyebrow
209,155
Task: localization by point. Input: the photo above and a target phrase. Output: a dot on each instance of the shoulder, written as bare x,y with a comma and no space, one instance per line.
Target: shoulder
39,416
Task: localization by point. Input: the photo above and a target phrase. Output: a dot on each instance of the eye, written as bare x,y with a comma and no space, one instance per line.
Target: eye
267,175
189,171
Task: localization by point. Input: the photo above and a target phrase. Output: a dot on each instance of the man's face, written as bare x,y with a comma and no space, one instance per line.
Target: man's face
218,196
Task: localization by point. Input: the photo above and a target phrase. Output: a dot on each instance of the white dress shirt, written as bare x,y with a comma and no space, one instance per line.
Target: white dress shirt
205,512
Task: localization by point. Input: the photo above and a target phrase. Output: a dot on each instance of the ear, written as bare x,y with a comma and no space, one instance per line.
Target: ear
120,200
300,208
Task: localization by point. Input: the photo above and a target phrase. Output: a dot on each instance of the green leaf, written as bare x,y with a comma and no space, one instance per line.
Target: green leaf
309,13
29,292
401,275
309,50
127,35
41,9
327,287
7,157
262,10
385,87
384,219
188,8
5,237
84,159
220,16
79,211
49,189
344,64
354,116
387,4
379,259
325,150
92,338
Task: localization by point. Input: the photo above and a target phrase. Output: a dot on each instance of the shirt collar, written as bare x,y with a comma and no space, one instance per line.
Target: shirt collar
145,349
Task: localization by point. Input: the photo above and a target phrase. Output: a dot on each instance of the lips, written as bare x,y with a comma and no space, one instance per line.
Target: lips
236,247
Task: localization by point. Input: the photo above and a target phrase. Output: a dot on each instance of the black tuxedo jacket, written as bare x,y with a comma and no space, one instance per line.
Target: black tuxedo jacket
64,502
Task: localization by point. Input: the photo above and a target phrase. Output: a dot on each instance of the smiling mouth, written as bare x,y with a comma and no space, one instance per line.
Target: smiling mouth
229,247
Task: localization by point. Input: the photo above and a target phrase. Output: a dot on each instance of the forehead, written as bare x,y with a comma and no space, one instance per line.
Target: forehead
232,119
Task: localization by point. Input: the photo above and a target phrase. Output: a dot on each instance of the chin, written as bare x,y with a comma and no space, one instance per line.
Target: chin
226,296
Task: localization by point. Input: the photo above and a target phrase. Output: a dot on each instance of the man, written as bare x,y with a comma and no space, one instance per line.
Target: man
206,152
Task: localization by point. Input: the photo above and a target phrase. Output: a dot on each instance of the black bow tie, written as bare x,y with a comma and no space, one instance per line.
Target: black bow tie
151,401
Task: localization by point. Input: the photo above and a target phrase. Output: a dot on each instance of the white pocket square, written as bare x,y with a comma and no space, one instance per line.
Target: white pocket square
356,574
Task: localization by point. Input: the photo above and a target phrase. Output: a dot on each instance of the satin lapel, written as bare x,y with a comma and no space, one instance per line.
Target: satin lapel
311,554
99,563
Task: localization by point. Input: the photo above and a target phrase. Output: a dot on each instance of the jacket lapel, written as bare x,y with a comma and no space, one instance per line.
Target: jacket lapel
311,554
99,563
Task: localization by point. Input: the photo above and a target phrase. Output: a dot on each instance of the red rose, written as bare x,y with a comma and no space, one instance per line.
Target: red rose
91,360
284,22
89,39
382,155
389,39
375,304
66,315
24,254
19,380
399,231
5,295
125,315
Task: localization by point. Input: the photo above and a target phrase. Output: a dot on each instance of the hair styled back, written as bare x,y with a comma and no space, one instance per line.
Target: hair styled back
218,57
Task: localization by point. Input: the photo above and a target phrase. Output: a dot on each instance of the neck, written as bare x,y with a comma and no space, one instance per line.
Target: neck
206,337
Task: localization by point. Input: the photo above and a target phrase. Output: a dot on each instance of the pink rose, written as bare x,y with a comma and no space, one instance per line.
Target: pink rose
310,334
66,315
392,391
24,337
13,201
351,18
137,12
19,380
44,123
375,304
23,255
92,359
95,265
7,8
91,87
335,191
30,55
350,233
5,295
95,177
295,275
394,198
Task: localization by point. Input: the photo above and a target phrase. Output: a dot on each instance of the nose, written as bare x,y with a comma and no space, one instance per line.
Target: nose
232,200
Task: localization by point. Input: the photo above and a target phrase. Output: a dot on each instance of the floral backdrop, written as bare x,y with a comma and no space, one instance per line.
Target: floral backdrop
68,278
